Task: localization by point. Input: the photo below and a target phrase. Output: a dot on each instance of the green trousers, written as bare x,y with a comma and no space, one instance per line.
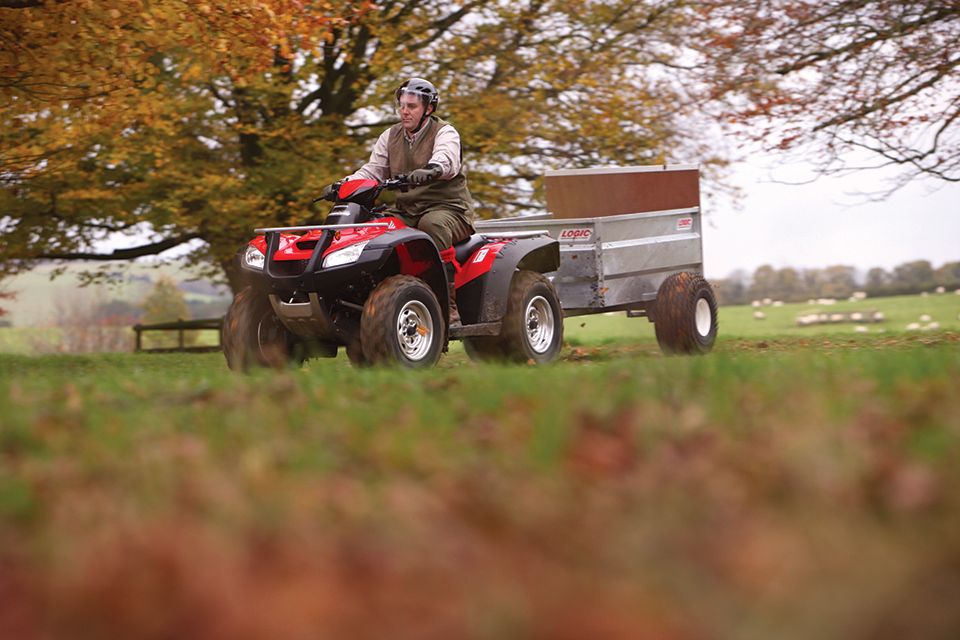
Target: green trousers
446,226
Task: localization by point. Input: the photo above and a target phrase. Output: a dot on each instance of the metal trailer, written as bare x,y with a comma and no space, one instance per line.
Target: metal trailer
639,249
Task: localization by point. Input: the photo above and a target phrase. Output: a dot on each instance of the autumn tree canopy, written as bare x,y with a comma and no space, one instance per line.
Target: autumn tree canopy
196,122
882,76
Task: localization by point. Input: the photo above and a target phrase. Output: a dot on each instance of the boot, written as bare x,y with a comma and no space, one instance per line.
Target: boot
454,313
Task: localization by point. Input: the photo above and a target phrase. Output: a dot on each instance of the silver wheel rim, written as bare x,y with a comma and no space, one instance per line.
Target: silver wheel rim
539,322
414,330
703,317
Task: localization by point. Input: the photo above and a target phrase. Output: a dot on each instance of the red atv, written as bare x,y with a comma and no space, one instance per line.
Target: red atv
369,283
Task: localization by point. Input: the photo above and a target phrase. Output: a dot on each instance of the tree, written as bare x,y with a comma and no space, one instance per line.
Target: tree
911,277
790,286
948,275
165,303
95,121
201,146
733,289
838,281
875,75
764,283
878,281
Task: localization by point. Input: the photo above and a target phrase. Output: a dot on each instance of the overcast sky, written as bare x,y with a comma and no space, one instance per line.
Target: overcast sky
826,222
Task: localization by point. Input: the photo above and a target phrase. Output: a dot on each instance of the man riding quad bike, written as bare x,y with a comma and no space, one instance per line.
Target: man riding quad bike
366,281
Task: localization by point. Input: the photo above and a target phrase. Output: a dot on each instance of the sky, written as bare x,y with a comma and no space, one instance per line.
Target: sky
828,221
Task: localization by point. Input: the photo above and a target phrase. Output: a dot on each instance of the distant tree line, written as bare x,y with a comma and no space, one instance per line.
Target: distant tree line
839,281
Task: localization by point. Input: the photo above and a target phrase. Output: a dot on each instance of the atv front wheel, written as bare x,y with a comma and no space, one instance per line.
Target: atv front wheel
685,317
253,336
402,324
533,324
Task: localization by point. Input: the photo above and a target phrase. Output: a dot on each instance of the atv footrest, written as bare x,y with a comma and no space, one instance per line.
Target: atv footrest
480,329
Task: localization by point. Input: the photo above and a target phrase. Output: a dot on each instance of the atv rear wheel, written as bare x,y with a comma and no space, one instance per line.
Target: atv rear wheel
533,324
402,324
253,336
685,318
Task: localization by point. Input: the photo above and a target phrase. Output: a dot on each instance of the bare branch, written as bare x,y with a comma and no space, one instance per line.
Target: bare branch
150,249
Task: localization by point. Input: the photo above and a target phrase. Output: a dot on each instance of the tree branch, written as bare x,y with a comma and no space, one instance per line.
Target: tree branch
123,254
20,4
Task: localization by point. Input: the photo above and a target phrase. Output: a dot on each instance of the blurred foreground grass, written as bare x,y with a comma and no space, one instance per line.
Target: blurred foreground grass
777,488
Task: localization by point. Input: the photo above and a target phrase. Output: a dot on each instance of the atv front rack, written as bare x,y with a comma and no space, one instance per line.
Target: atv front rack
321,226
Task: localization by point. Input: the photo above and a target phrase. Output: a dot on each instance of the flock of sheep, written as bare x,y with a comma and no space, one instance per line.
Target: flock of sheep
925,323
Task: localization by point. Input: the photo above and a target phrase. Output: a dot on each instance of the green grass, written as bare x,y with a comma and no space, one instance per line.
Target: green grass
788,487
616,328
738,321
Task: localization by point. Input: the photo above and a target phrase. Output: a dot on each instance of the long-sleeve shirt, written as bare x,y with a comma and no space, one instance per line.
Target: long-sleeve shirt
446,155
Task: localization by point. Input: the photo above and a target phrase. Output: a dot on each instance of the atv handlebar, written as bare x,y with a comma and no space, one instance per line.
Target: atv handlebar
400,183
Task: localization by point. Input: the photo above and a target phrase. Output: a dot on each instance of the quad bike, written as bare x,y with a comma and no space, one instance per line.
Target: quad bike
367,282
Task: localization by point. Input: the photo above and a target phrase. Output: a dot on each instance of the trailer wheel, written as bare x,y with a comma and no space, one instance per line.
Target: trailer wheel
533,324
685,318
402,324
484,348
253,336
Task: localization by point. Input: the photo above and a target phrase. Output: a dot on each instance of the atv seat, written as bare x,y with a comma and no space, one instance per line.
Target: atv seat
464,249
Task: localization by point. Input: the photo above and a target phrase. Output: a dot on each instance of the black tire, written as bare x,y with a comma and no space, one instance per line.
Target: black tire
402,324
533,325
685,317
484,348
253,336
355,354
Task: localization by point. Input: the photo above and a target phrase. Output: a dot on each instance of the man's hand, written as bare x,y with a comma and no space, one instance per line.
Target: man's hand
427,174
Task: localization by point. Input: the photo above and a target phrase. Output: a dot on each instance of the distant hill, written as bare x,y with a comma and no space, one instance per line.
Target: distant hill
39,298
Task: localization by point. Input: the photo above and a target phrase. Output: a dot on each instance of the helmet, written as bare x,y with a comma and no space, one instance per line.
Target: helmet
422,89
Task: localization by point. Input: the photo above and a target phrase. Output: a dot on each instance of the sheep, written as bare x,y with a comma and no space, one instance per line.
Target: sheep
913,326
925,318
879,317
759,315
860,329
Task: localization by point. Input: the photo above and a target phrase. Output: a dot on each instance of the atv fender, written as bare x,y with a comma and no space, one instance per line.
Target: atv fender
414,253
486,297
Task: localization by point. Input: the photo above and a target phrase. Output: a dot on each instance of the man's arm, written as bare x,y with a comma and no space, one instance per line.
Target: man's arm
378,167
446,152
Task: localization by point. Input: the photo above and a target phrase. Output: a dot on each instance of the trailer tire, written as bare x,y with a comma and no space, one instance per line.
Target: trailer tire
253,336
533,325
402,324
685,317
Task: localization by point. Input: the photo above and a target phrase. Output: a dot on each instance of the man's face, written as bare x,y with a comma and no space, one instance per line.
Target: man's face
411,110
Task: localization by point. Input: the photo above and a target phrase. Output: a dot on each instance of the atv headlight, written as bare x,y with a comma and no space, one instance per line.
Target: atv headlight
253,258
345,256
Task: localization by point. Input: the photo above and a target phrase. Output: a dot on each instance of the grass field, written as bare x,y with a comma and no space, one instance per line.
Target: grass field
788,485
